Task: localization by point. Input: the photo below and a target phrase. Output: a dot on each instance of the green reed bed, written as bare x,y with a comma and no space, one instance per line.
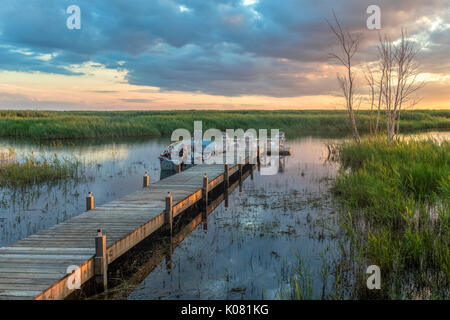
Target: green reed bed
84,124
396,201
32,170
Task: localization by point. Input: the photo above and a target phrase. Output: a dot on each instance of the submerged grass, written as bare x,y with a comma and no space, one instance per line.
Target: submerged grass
397,213
84,124
31,170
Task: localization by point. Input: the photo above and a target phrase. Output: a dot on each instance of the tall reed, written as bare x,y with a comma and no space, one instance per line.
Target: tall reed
84,124
396,209
30,170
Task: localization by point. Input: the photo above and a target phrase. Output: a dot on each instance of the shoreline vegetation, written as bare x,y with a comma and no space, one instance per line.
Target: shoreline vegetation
396,213
32,170
395,196
62,125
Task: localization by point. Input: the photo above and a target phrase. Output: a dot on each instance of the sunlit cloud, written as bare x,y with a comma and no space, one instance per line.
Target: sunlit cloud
197,54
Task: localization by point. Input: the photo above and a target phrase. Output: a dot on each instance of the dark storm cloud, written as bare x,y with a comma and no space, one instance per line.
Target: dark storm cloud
217,47
13,60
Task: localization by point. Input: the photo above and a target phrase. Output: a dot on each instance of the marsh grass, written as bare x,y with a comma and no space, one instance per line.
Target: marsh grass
333,280
396,211
300,282
84,124
32,170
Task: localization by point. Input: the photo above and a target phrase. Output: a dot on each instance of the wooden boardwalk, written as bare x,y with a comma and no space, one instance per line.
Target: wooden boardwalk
36,267
153,258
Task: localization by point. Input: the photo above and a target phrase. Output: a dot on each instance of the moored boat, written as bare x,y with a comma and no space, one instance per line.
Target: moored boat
173,157
180,155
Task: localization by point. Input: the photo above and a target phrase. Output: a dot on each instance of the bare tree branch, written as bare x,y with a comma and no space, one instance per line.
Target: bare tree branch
400,78
349,45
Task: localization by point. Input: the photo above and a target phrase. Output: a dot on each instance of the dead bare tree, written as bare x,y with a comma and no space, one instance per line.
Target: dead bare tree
408,68
348,44
381,76
399,81
385,51
370,79
380,83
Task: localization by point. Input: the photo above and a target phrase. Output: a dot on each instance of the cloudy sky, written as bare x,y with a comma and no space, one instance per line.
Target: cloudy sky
222,54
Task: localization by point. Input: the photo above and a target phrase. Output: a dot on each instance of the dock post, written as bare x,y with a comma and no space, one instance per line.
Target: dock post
89,202
205,196
252,166
169,263
169,213
226,199
146,180
240,175
226,175
258,158
100,262
169,220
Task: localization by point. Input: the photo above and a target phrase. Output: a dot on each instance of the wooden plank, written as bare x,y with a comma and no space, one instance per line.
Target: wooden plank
29,280
31,275
172,185
20,286
44,250
60,257
21,294
123,245
187,202
35,267
60,289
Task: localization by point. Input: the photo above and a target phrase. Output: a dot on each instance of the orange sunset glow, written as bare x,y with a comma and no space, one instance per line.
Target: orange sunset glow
253,56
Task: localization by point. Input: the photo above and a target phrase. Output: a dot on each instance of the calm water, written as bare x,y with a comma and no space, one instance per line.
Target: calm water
111,170
251,249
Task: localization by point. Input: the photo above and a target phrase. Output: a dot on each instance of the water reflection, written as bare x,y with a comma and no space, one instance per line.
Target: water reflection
111,170
438,136
244,250
131,269
249,249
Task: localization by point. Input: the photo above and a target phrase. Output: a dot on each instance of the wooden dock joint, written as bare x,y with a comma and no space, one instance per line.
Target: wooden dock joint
168,213
146,180
226,175
138,224
205,191
240,173
100,262
90,201
240,166
258,157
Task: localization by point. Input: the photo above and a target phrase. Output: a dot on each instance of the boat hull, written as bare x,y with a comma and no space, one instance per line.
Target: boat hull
168,165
